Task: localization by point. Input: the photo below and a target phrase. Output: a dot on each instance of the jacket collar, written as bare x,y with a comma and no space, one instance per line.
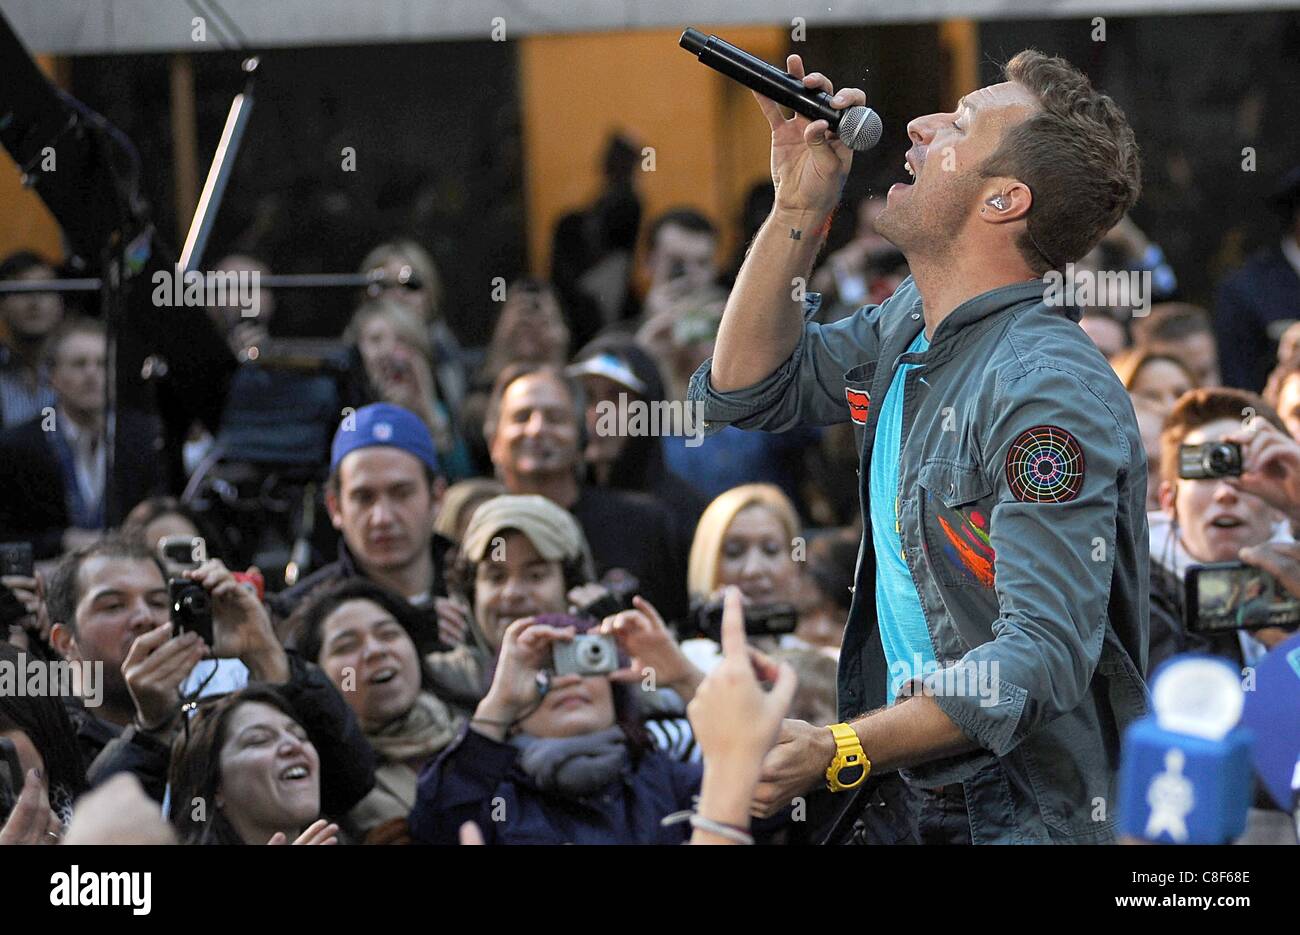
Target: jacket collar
438,546
966,321
985,304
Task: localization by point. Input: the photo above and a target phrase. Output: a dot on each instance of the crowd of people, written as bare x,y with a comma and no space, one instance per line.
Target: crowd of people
419,685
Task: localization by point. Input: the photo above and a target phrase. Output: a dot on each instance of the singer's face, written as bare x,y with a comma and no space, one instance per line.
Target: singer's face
929,213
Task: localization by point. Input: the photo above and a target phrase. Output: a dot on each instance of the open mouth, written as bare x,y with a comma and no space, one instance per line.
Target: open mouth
1226,522
384,675
567,701
295,773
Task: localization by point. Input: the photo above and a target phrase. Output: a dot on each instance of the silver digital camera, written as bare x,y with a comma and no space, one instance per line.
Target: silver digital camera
587,654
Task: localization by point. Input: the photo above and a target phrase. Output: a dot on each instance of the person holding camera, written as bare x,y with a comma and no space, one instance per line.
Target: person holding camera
555,753
534,425
524,556
1214,517
110,604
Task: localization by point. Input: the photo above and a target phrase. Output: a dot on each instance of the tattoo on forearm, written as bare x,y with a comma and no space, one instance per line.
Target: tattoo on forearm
795,233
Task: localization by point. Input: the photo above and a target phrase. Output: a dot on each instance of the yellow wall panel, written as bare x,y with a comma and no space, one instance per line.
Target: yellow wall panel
710,141
27,224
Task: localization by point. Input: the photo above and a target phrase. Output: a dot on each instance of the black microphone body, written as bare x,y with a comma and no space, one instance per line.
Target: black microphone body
860,125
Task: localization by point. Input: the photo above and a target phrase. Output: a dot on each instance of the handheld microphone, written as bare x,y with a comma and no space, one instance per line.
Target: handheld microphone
1185,775
1273,713
859,127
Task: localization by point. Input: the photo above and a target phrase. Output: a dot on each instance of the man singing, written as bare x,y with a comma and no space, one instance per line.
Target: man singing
998,632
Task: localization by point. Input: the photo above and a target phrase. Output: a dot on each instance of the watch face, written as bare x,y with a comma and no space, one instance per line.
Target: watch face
851,772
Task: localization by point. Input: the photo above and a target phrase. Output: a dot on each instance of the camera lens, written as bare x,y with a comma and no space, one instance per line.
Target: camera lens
1221,459
592,653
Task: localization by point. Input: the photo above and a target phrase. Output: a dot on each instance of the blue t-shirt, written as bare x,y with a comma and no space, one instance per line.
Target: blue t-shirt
903,632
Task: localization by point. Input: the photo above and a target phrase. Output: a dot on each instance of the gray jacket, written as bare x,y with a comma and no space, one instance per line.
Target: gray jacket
1022,489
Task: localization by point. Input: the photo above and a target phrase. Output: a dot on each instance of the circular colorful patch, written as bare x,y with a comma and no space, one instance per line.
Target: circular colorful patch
1045,465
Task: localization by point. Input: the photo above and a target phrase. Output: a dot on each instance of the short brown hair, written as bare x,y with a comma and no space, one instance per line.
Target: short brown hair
1078,156
63,593
1196,408
521,369
66,329
1171,322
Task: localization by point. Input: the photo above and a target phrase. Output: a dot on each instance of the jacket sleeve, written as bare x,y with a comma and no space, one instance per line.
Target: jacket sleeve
346,758
459,786
807,389
143,755
1055,452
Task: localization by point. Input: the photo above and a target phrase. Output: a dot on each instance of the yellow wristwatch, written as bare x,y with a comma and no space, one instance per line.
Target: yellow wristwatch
850,765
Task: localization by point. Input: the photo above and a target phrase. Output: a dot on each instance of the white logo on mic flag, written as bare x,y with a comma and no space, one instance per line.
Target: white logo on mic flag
1172,798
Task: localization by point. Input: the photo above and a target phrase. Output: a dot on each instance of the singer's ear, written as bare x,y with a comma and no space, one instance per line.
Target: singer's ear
1005,200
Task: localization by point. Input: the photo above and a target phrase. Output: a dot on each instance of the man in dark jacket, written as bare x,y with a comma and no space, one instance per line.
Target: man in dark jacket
383,493
54,482
1261,300
109,606
534,429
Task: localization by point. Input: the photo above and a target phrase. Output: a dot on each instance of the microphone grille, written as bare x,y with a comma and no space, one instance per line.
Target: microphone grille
860,128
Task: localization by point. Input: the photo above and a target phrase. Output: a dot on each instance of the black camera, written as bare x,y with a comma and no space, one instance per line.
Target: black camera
761,620
1210,459
191,608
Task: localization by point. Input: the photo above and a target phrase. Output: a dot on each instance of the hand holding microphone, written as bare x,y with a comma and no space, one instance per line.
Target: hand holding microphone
813,150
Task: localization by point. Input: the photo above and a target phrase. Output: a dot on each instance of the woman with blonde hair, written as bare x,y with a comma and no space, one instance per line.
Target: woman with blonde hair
749,537
412,279
395,350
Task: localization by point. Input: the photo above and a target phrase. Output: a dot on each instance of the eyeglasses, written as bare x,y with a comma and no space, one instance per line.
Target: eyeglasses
381,282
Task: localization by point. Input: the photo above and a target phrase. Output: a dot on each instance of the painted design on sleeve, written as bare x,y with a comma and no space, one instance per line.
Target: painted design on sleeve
1045,465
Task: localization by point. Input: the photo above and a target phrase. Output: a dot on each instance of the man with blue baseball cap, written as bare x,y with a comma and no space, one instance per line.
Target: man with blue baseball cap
382,495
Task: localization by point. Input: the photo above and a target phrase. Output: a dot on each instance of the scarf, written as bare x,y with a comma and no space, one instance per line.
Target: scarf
422,732
573,766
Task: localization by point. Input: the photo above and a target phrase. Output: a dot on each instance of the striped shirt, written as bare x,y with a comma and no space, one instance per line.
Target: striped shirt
20,401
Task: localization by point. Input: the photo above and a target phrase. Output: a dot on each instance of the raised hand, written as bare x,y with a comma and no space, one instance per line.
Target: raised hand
809,163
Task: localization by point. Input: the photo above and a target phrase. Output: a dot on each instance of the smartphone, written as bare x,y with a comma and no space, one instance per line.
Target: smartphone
16,558
1235,596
